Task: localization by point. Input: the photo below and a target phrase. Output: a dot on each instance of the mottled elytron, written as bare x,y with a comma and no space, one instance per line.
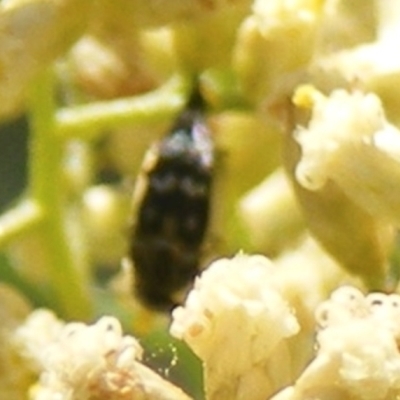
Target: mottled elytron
171,209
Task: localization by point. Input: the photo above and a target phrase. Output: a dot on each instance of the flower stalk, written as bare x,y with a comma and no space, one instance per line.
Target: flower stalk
24,217
47,189
91,120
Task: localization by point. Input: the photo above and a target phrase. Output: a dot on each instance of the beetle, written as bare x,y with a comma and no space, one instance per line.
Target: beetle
171,209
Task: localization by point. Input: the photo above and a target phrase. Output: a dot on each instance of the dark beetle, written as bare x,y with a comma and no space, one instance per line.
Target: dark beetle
172,202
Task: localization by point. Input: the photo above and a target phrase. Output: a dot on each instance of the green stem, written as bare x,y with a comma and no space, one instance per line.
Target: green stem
91,120
20,219
47,188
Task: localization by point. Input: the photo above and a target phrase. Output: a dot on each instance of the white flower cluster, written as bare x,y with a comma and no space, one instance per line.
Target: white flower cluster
79,361
236,321
250,320
39,330
349,141
358,349
340,119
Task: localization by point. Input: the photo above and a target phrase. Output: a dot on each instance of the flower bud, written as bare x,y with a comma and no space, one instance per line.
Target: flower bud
277,39
105,212
32,34
271,215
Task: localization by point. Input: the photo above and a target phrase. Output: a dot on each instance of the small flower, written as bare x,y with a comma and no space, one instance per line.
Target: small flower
345,304
235,321
341,119
349,141
385,310
358,356
39,330
345,177
80,362
104,213
275,42
271,215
